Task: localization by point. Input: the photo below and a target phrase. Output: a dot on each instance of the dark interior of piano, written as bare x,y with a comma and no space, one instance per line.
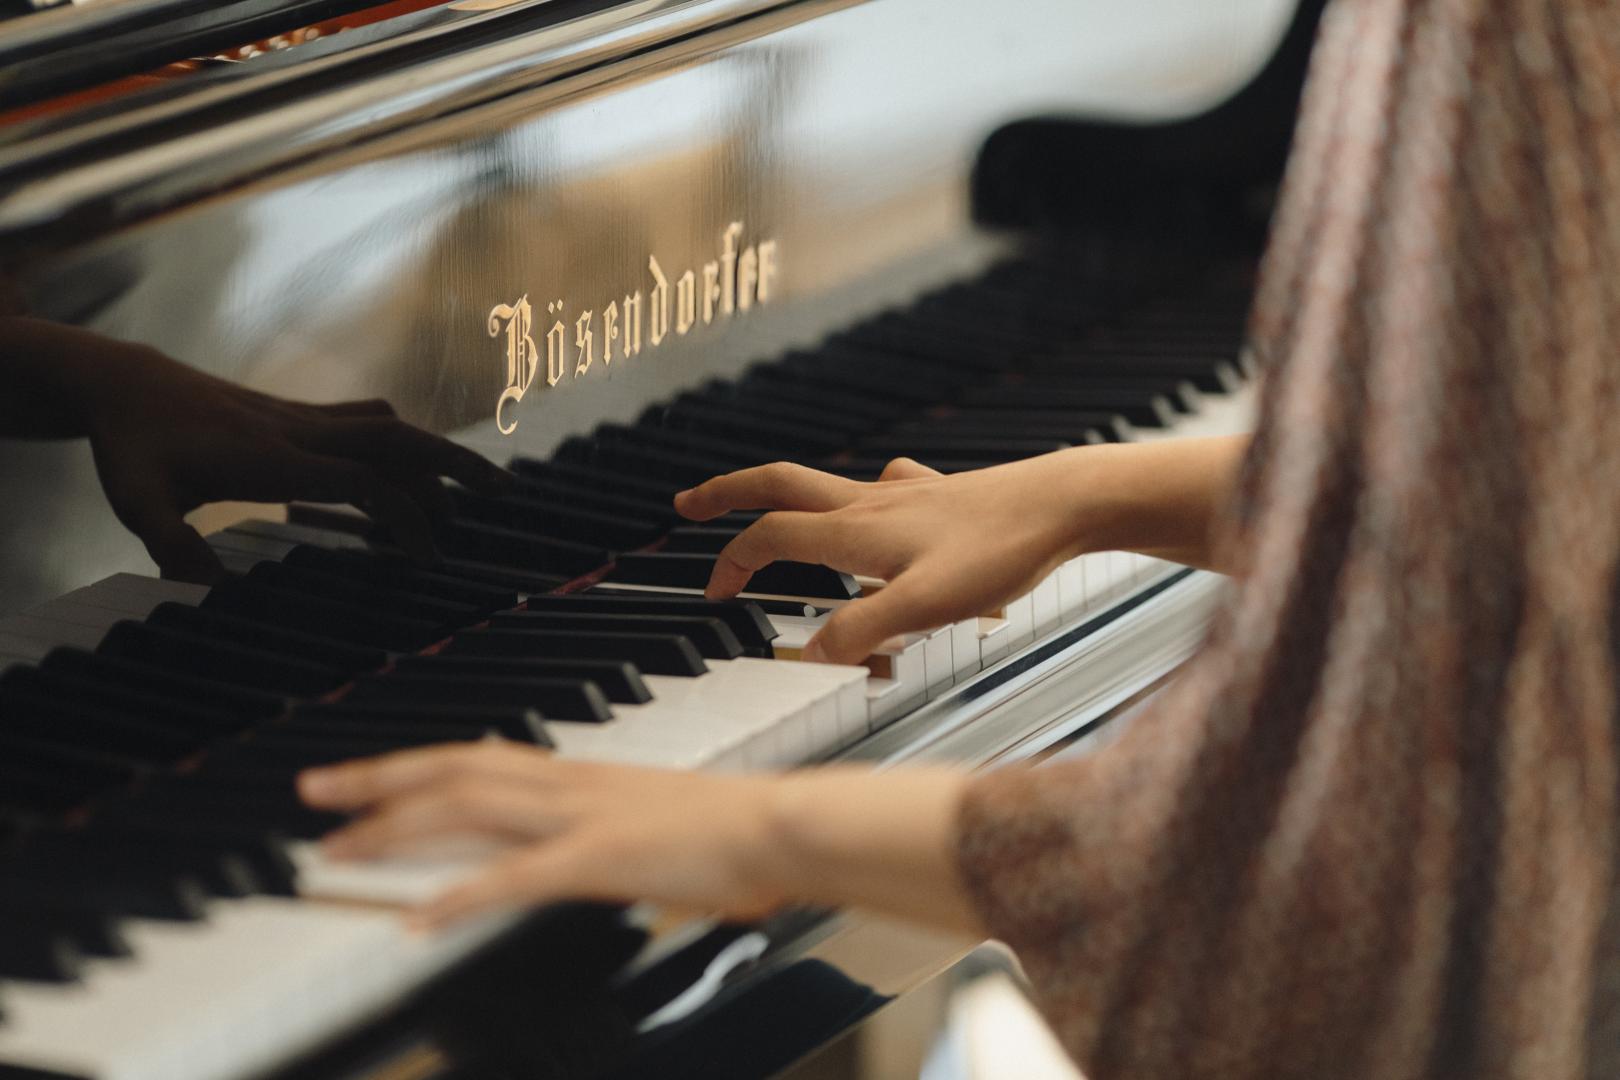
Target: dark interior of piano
616,249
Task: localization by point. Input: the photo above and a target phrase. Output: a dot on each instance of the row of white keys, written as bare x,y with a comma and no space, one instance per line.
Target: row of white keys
82,617
259,982
744,714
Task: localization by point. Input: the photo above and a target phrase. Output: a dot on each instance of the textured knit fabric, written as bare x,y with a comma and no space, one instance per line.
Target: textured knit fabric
1370,831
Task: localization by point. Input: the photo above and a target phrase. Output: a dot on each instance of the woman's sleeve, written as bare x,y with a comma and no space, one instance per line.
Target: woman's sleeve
1370,830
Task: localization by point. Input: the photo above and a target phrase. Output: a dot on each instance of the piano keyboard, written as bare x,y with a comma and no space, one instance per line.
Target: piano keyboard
164,912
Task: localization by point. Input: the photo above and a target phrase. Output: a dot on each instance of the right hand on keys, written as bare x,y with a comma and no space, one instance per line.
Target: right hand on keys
948,547
953,547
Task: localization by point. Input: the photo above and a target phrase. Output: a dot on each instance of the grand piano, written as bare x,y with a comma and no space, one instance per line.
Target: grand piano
621,246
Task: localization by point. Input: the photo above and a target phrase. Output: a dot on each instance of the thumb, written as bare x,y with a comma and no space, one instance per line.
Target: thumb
857,629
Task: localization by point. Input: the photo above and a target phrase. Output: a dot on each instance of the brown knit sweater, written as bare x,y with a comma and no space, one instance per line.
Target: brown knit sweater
1370,831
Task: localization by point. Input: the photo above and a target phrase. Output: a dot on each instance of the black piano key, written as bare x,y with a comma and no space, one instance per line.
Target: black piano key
967,428
768,383
227,803
1182,395
74,664
266,638
747,620
712,637
516,723
904,334
513,547
815,369
754,427
342,588
554,699
193,654
314,615
958,447
277,751
216,871
74,771
681,470
38,953
1143,408
689,571
699,539
172,714
1210,374
398,573
389,734
26,793
654,654
263,852
620,681
738,453
149,894
574,492
605,480
76,724
94,933
519,579
559,518
1112,426
765,606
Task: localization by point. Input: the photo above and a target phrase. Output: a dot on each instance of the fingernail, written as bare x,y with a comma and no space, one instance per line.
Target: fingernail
813,652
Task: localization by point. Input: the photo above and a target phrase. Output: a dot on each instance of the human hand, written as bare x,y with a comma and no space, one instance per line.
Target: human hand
168,438
736,846
948,547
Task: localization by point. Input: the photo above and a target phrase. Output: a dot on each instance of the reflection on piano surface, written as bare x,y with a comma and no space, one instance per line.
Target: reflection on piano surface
624,248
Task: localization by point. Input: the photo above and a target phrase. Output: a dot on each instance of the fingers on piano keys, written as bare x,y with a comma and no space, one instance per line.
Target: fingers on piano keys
153,843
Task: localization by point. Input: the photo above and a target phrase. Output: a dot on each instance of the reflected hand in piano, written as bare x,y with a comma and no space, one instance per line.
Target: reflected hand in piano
168,438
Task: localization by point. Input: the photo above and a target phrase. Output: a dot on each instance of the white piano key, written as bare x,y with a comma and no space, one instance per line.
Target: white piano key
47,633
938,661
404,881
965,649
995,640
1072,603
25,648
1020,616
889,699
136,595
1046,606
746,713
262,981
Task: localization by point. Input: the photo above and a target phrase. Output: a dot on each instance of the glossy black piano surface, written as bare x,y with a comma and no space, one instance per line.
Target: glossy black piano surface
621,247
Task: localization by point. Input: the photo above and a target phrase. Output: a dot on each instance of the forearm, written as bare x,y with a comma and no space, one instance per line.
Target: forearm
848,837
1160,499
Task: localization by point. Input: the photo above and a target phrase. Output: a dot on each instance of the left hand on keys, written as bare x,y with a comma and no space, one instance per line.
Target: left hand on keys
735,845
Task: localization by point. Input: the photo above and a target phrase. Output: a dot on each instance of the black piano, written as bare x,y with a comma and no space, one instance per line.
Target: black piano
621,246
